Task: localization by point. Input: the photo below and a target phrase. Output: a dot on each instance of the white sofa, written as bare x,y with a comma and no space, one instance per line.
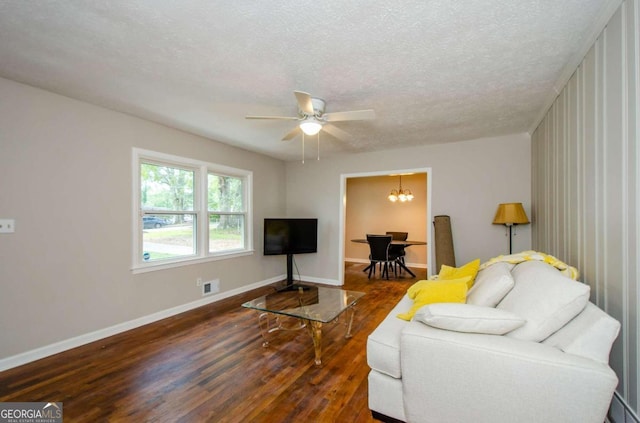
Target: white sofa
528,346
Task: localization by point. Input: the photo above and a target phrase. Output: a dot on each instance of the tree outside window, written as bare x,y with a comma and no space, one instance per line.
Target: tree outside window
226,212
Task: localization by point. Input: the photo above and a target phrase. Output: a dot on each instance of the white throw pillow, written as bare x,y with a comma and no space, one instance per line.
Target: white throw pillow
491,285
590,334
468,318
545,298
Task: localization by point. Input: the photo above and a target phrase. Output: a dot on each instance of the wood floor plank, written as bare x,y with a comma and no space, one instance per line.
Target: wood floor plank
208,364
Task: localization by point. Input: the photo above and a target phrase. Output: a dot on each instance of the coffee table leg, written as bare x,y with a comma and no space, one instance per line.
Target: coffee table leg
263,323
351,312
266,327
315,330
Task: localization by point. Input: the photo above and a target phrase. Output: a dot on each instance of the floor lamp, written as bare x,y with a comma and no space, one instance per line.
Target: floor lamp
510,214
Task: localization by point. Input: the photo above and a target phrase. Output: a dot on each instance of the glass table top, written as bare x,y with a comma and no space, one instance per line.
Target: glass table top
315,303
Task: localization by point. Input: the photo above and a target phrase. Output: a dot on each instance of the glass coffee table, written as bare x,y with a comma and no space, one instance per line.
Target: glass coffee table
311,306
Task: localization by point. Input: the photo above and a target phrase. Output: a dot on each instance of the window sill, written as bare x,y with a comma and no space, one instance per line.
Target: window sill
187,262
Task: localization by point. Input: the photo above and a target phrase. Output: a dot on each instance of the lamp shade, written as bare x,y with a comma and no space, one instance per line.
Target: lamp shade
310,127
510,214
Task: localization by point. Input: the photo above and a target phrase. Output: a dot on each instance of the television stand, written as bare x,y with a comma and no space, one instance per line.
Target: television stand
293,287
290,286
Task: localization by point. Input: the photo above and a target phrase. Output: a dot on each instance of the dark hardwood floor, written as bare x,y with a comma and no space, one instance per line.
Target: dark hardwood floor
208,364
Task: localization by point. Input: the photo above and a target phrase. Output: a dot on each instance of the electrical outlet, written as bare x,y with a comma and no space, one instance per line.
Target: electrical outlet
7,226
199,282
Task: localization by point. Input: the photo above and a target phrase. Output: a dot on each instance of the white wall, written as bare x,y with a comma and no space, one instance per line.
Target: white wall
65,177
586,193
469,180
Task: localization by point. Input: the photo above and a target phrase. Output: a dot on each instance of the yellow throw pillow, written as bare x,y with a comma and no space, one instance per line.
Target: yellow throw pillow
469,271
429,292
415,288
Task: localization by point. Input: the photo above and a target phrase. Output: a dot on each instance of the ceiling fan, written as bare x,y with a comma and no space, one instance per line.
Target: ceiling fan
312,118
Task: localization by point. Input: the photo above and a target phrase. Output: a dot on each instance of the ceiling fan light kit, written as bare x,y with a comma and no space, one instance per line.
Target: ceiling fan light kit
312,118
310,126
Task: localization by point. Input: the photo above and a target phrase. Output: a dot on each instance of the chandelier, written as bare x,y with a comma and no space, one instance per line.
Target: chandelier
400,194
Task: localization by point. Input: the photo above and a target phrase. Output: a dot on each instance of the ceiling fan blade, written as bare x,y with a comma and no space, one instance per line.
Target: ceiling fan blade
337,132
291,134
272,117
304,102
352,115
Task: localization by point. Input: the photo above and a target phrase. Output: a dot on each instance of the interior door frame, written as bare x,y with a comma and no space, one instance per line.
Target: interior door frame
343,212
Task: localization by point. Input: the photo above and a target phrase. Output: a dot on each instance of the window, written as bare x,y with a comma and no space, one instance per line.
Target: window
226,213
186,211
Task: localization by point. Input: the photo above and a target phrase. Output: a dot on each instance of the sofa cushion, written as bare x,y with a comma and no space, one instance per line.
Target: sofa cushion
491,285
383,344
590,334
469,271
545,298
429,292
469,318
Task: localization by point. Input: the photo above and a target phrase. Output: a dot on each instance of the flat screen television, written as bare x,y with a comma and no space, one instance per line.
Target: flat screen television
289,236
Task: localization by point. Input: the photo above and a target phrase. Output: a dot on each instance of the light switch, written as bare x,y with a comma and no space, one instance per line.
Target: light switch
7,226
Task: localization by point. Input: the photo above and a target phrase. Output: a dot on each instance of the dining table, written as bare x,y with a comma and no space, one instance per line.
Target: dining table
405,243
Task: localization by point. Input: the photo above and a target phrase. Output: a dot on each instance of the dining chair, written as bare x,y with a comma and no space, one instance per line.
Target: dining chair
398,250
380,255
398,236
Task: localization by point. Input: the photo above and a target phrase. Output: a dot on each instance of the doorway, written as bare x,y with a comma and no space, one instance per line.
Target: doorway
368,210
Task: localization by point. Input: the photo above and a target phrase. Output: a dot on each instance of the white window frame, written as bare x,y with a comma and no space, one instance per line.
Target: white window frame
200,205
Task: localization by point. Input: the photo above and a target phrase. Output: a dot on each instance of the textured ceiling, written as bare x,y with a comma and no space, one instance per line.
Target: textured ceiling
433,70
